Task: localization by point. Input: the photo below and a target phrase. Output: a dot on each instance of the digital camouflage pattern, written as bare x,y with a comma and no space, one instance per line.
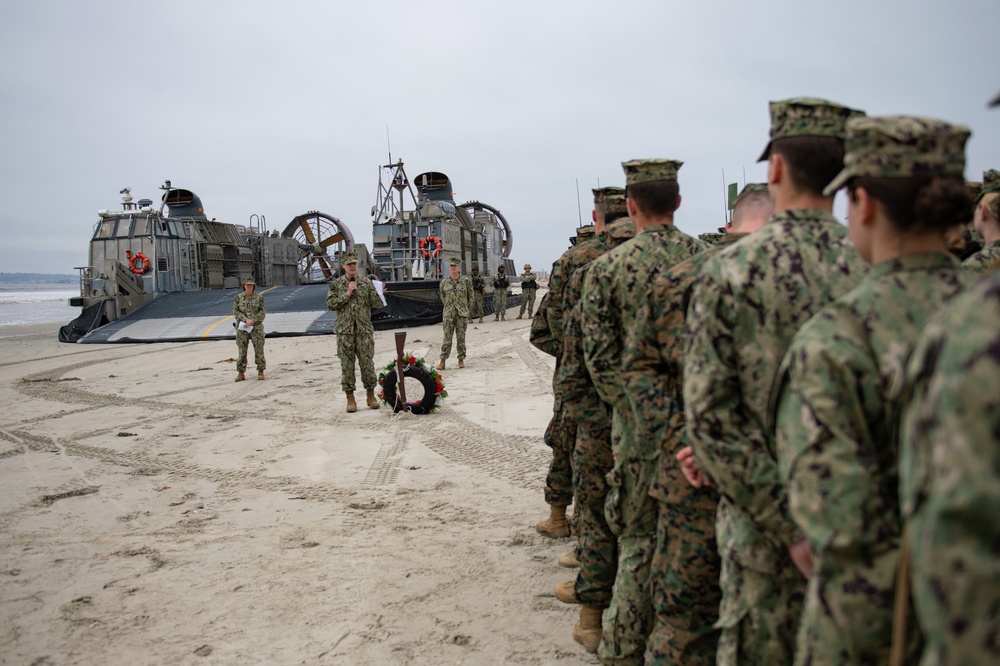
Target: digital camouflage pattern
478,292
250,307
548,335
901,147
991,182
612,292
550,311
684,574
982,260
457,298
354,330
529,286
748,301
835,434
950,479
501,286
648,171
712,239
597,545
807,116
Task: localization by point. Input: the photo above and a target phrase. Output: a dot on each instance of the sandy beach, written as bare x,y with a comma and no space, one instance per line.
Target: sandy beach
153,511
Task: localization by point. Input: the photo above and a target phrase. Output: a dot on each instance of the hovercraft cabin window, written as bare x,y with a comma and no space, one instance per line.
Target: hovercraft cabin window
141,227
106,229
123,228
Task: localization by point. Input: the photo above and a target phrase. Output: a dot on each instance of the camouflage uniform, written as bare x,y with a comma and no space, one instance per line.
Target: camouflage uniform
529,285
250,307
684,575
501,285
983,259
834,417
457,298
747,303
612,291
478,290
354,330
597,545
949,473
990,253
547,335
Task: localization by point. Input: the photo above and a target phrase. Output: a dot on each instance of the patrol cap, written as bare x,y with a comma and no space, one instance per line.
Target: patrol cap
753,187
648,171
455,261
501,269
249,281
901,147
475,269
612,198
991,183
349,258
621,229
527,267
807,116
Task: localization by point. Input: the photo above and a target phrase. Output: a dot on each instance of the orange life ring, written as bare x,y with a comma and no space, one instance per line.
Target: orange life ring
142,261
437,246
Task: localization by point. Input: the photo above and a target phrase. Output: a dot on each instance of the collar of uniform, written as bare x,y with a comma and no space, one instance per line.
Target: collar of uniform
927,261
804,214
659,228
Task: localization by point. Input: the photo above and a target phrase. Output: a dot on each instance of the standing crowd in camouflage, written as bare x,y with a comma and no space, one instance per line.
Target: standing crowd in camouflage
782,443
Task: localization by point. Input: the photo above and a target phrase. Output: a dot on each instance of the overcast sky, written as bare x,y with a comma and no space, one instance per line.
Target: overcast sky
278,108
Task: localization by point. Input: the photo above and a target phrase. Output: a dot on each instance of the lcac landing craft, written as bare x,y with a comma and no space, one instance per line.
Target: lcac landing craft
155,277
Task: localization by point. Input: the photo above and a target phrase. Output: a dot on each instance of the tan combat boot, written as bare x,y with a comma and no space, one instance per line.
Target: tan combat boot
520,316
351,405
480,320
440,365
461,362
555,526
569,560
587,632
260,375
372,400
565,593
240,377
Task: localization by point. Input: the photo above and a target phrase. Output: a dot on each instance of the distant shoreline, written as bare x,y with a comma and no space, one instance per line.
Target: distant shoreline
39,278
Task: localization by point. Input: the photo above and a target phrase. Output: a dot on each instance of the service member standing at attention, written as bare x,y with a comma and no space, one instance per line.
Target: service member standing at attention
844,369
353,296
986,222
248,309
456,294
478,291
684,578
613,289
746,305
500,286
529,284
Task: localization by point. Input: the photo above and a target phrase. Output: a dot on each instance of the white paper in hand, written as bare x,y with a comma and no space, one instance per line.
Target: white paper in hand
379,287
245,326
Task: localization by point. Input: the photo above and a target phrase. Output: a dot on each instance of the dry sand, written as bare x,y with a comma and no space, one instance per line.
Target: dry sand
152,511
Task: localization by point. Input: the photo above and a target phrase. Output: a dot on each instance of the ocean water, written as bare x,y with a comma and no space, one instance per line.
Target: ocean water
36,303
